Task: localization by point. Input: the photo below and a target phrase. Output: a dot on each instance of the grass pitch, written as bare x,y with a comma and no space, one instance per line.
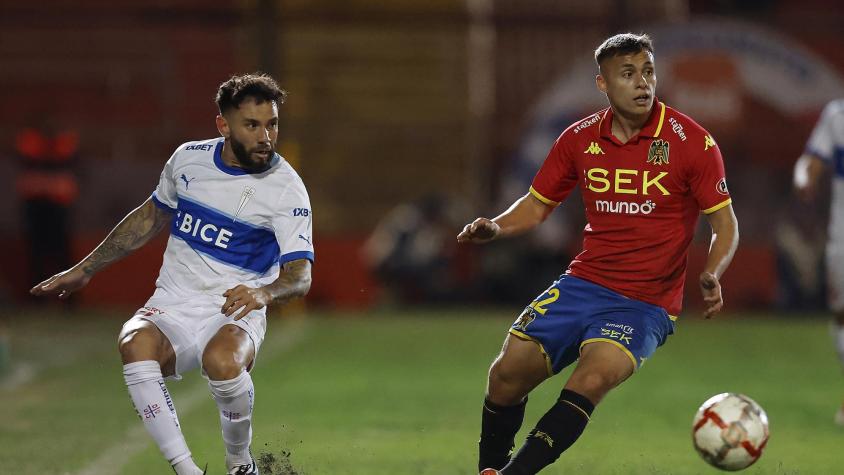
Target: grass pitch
400,393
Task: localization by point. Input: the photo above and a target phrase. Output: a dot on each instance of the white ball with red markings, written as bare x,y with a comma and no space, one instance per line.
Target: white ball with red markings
730,431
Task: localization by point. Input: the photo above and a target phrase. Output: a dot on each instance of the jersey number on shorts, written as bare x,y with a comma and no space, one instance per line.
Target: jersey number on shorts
539,305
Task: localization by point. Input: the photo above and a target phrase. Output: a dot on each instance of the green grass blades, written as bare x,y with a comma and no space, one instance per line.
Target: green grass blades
400,393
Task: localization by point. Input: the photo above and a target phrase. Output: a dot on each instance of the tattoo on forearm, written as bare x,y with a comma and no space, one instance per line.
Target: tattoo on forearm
293,281
132,232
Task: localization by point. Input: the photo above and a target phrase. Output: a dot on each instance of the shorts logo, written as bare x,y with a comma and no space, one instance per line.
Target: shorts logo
658,152
721,186
617,335
525,319
625,328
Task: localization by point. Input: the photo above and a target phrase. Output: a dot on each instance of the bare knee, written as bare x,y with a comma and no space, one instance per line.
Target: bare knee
506,387
141,343
594,385
221,365
520,368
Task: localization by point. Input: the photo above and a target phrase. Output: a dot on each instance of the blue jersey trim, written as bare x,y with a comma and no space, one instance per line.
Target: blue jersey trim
293,256
218,161
160,204
227,215
213,258
234,242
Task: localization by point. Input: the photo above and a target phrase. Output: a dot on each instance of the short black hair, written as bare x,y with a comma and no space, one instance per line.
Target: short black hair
623,44
259,86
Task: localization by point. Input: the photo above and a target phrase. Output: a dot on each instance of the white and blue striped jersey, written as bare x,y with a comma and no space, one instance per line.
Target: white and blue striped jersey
230,227
827,143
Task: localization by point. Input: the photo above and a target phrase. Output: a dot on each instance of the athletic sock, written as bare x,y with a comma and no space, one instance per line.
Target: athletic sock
155,408
499,425
235,398
555,432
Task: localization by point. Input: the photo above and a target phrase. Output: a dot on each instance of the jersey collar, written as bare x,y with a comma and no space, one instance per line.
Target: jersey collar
652,127
218,161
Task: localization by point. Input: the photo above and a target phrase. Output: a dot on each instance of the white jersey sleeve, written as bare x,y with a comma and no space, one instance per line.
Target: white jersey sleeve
293,224
827,139
165,195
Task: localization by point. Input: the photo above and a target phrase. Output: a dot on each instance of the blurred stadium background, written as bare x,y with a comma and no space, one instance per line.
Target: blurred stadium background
405,119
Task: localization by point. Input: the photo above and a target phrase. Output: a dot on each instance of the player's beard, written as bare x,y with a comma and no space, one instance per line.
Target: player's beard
245,158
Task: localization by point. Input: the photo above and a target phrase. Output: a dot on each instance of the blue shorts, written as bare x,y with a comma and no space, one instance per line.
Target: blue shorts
574,312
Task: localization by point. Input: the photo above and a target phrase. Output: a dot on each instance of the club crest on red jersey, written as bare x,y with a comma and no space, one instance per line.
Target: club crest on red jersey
658,152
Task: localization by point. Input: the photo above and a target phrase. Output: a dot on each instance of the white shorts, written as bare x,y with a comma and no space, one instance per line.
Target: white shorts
190,323
835,277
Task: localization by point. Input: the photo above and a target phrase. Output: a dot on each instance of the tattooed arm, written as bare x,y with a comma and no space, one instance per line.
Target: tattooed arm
135,230
294,281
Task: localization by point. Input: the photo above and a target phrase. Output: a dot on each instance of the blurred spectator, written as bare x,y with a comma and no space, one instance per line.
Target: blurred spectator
412,252
47,188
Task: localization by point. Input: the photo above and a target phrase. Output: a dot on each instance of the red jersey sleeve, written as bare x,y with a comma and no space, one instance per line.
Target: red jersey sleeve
557,176
707,180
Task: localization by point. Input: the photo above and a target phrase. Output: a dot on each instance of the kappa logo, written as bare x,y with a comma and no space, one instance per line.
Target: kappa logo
248,191
184,178
658,152
594,149
708,142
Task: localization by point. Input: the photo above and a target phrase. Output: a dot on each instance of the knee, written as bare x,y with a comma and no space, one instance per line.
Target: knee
593,384
506,386
137,345
221,365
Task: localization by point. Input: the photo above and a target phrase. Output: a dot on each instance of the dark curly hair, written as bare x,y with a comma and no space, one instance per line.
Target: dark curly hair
258,86
623,44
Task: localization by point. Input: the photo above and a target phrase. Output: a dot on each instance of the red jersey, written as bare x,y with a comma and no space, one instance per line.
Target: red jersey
642,199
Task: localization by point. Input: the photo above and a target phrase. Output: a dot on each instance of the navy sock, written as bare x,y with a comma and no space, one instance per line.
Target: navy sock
499,425
555,432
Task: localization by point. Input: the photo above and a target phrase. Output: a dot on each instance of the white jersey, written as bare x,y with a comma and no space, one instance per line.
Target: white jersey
827,143
230,227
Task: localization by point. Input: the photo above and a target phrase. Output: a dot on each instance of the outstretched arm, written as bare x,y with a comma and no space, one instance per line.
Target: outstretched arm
293,281
522,216
135,230
725,238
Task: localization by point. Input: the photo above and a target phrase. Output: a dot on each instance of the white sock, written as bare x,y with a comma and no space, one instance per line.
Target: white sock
234,399
155,408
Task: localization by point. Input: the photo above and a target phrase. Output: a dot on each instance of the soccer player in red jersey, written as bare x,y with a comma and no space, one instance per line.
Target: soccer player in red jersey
645,172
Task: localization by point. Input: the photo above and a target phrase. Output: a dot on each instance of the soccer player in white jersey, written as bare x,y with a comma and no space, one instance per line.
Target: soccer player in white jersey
240,238
825,152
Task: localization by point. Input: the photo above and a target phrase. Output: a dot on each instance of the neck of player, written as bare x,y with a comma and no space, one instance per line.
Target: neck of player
625,126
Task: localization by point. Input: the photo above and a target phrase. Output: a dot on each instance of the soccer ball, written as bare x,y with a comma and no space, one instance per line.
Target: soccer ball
730,430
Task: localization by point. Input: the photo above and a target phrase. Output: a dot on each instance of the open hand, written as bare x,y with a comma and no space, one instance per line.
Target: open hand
62,284
246,298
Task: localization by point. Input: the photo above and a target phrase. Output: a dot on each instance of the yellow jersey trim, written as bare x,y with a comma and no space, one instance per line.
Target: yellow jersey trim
673,318
622,347
661,120
718,206
524,336
543,199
